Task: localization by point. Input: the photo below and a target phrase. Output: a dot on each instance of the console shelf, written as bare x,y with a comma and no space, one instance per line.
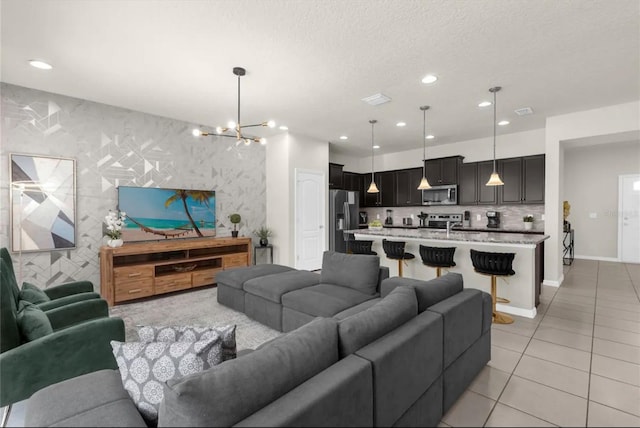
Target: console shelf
145,269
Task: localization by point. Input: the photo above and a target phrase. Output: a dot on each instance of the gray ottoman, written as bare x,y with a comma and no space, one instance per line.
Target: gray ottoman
231,282
263,298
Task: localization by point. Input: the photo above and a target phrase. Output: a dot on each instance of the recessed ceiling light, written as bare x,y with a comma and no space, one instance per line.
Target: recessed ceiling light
344,137
284,128
503,122
401,124
429,78
376,147
430,137
485,104
40,64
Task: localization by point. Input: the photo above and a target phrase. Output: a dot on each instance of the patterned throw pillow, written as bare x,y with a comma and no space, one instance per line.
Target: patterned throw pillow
146,366
191,334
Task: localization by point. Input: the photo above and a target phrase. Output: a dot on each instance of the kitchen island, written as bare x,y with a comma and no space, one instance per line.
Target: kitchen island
522,289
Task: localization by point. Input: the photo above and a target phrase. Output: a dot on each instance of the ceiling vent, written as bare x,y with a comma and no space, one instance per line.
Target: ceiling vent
524,111
376,99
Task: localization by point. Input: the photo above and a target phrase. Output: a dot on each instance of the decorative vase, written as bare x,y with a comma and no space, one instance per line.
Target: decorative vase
264,242
234,233
528,225
113,243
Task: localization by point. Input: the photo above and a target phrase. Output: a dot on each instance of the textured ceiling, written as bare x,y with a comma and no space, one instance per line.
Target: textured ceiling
309,62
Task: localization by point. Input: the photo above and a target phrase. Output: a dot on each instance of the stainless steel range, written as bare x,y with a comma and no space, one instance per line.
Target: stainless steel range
439,221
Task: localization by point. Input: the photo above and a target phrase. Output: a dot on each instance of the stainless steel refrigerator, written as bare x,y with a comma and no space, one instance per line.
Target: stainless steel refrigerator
343,215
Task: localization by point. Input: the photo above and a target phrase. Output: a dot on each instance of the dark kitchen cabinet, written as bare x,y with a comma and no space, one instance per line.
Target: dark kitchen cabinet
468,184
386,195
510,171
335,176
443,170
406,187
351,181
486,194
533,179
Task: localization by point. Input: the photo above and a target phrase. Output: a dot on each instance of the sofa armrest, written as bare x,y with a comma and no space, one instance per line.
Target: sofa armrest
69,288
382,275
64,354
77,312
66,300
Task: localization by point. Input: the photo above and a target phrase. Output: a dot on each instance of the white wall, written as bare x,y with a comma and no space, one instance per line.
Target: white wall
590,176
284,155
508,145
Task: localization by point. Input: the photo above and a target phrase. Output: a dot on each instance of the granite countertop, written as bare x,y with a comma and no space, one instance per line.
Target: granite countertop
472,229
455,235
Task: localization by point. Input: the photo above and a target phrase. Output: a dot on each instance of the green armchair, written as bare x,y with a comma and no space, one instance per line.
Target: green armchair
56,296
40,348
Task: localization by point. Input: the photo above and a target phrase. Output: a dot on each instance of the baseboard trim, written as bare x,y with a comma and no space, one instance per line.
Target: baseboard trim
552,283
602,259
527,313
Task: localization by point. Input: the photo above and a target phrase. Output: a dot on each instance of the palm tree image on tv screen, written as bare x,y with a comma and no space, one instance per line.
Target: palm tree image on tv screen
156,213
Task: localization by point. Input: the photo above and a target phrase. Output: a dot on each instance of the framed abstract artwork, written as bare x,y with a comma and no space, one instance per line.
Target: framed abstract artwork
43,203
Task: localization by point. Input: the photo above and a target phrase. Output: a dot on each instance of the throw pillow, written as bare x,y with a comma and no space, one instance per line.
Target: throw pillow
32,321
146,366
192,334
33,293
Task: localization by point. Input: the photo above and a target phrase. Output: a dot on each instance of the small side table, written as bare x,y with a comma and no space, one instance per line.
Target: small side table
568,248
260,247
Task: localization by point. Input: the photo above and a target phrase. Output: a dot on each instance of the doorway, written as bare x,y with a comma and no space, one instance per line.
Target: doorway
629,218
310,235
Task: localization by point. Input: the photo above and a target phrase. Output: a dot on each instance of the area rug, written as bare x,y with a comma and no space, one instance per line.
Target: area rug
193,307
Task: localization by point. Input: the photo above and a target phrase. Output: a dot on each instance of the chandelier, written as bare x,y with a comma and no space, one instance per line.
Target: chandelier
234,129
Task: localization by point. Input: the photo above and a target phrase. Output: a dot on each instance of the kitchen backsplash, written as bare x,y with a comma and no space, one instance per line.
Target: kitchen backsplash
510,215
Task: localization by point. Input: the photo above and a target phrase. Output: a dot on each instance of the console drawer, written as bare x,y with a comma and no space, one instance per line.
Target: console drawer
128,273
204,277
133,289
233,260
174,282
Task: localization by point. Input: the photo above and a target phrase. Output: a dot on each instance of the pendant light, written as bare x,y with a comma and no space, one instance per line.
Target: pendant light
424,183
372,187
494,180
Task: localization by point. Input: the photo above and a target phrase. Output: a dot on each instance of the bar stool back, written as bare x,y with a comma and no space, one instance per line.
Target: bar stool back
437,257
494,264
395,251
361,247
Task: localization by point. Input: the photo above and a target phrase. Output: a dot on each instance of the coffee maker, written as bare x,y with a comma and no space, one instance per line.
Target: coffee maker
389,220
494,219
466,219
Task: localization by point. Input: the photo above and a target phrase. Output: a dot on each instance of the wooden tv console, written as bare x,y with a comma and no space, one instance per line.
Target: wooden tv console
143,269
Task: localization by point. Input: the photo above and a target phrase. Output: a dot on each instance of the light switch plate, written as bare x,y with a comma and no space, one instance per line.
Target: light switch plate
478,217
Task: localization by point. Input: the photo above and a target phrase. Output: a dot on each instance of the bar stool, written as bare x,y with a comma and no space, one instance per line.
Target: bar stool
494,264
437,257
361,247
395,251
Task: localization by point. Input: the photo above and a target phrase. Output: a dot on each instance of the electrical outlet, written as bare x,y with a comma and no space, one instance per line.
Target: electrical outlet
478,217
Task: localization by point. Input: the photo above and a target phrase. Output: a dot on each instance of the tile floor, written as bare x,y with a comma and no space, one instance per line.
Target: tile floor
576,364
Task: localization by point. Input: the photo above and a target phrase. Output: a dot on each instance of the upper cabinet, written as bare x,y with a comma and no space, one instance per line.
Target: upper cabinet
468,184
443,170
386,192
335,176
407,193
487,195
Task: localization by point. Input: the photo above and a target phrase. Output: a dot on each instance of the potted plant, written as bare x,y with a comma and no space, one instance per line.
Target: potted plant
235,219
528,222
114,221
263,233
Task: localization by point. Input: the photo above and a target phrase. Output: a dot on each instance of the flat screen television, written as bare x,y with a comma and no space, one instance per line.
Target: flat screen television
155,213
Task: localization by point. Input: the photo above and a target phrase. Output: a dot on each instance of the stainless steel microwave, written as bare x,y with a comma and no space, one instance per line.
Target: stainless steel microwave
441,195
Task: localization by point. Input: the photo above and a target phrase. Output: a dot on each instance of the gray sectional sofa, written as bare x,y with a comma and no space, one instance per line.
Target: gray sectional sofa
399,358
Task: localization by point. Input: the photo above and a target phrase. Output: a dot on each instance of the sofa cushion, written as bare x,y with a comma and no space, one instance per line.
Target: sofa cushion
236,277
428,292
323,300
357,271
360,329
227,334
145,366
93,399
33,293
272,287
228,393
32,322
355,309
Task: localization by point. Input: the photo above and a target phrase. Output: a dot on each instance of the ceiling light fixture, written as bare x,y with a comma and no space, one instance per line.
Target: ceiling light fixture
494,180
401,124
424,183
503,123
237,126
429,78
430,137
484,104
344,137
376,146
40,64
372,187
284,128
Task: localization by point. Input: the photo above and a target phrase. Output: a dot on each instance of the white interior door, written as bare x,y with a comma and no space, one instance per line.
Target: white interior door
310,219
629,226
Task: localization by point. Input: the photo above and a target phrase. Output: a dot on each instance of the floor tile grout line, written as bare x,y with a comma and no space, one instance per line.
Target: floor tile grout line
619,410
527,413
593,337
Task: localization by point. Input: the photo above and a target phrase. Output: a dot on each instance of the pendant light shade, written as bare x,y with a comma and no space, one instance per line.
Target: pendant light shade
424,183
494,180
372,187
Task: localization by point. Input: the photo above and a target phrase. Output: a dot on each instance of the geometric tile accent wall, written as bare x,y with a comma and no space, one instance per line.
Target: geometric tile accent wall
115,146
